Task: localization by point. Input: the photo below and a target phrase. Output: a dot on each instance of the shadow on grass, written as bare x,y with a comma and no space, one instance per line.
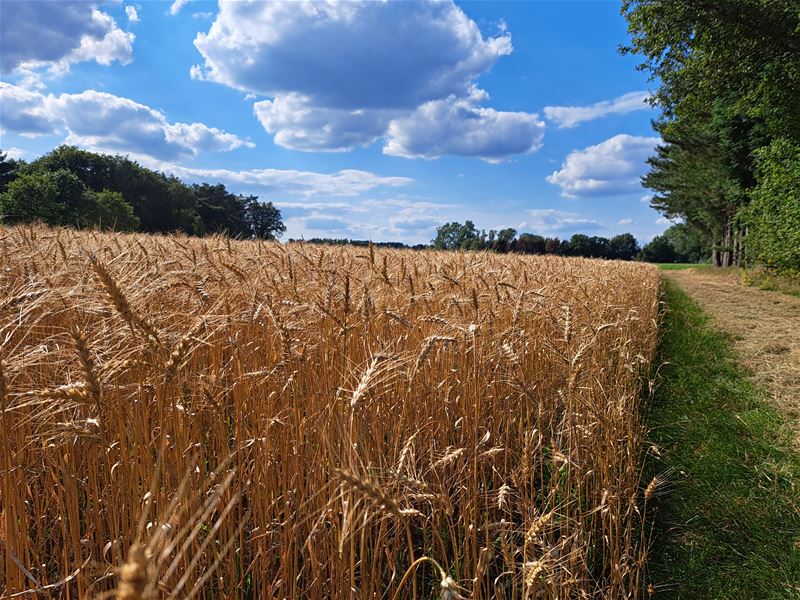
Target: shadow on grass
729,525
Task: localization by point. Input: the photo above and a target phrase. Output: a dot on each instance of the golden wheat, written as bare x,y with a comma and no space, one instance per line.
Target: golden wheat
210,418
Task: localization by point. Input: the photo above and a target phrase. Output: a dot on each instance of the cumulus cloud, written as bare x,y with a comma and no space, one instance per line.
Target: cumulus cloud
297,124
374,54
104,122
570,116
625,222
56,34
458,126
132,14
663,221
342,75
25,112
552,221
614,166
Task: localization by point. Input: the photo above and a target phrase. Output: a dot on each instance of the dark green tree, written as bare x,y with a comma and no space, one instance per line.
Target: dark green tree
528,243
9,170
54,198
265,219
659,250
689,244
455,236
222,212
108,210
728,84
623,247
773,218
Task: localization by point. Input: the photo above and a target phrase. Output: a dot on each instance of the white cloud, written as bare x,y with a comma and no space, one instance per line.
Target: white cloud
348,54
646,198
347,182
663,221
614,166
460,127
25,112
196,73
132,14
570,116
103,122
415,222
177,5
625,222
57,34
552,221
297,124
14,153
303,206
340,75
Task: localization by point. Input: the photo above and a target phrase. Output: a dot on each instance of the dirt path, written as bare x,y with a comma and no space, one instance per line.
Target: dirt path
765,327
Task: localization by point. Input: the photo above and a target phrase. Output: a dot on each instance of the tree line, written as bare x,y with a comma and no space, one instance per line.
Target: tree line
82,189
680,243
728,78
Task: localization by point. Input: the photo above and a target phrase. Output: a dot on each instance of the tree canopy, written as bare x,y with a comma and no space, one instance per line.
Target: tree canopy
729,93
69,186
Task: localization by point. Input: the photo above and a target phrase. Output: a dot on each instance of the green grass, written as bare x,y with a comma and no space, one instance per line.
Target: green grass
776,282
728,524
677,266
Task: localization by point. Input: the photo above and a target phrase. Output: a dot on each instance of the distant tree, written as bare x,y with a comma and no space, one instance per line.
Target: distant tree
54,198
108,210
221,211
70,186
9,170
265,219
455,236
586,246
659,250
623,247
528,243
689,244
505,237
552,245
160,202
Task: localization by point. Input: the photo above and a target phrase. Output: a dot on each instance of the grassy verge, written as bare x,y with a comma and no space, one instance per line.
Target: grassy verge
729,524
765,280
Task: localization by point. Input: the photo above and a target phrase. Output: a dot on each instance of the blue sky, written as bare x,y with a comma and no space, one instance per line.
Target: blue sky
375,120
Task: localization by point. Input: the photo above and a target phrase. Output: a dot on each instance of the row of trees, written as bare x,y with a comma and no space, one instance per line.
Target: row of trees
457,236
74,187
729,95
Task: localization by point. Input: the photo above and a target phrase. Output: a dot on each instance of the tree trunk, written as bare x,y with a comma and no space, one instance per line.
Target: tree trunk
726,241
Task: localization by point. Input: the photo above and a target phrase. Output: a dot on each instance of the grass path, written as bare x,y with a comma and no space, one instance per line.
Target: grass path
728,523
764,327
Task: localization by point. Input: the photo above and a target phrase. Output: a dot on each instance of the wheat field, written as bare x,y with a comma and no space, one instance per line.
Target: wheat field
208,418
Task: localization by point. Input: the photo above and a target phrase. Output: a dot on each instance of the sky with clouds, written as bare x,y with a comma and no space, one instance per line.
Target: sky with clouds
377,120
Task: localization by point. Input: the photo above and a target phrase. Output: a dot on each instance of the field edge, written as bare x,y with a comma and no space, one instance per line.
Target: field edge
727,524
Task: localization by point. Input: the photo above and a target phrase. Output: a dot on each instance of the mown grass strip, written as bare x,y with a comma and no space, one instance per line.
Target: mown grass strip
729,525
